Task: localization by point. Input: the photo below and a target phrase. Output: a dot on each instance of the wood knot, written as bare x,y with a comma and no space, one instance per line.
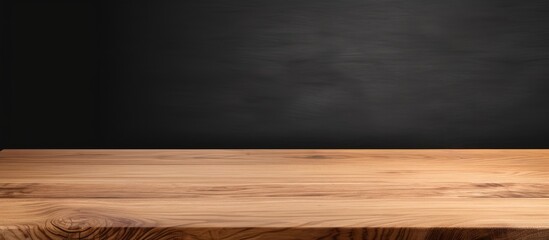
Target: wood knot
83,225
77,226
74,223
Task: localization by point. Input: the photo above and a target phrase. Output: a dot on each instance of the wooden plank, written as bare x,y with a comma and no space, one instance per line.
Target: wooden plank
274,194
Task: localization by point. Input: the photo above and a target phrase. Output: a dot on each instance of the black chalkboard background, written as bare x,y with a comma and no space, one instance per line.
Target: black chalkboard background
275,74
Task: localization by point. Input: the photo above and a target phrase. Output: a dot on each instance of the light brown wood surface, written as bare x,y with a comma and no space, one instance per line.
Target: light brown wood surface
274,194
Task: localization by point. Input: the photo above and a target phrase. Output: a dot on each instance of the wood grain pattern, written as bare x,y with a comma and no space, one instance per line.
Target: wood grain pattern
274,194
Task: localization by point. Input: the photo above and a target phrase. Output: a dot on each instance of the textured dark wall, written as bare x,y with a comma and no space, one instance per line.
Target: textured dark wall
280,74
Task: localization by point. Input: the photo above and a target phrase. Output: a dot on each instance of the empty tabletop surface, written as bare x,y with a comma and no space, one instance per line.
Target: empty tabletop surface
274,194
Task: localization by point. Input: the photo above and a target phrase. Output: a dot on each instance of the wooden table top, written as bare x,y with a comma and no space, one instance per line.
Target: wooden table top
274,194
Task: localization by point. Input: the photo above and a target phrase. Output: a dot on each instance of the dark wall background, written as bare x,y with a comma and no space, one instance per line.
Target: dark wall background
4,77
276,74
51,73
